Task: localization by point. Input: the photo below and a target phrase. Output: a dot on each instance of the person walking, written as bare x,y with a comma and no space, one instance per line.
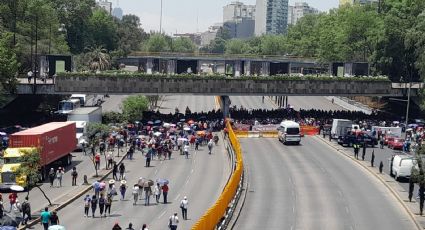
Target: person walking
186,150
108,204
26,211
148,193
96,188
149,156
45,218
210,146
130,227
356,150
173,221
102,202
381,167
116,226
123,189
157,192
54,218
12,200
145,227
1,207
59,176
74,175
372,159
183,205
97,161
165,192
87,202
122,171
364,151
115,171
51,176
93,203
135,193
109,160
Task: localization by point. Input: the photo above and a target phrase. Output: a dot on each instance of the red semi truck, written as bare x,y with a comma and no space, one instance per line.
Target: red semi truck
55,141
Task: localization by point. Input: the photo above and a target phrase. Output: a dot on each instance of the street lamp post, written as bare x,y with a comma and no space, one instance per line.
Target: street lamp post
35,54
160,20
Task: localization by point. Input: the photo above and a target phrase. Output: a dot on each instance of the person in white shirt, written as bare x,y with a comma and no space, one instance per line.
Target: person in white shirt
157,191
135,193
173,221
186,150
183,205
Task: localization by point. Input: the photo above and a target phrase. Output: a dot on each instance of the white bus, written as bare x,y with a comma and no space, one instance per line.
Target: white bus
289,132
67,106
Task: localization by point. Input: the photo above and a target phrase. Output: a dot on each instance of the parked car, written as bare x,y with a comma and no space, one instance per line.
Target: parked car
362,138
396,143
388,138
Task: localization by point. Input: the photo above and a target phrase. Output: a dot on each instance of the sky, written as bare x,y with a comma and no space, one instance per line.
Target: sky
189,16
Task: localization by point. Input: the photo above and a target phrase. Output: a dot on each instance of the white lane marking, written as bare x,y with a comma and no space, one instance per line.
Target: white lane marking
177,197
340,193
187,181
191,171
156,171
347,210
162,214
293,209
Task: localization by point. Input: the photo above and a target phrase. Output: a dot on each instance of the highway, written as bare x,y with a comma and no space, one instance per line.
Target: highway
311,186
195,103
201,178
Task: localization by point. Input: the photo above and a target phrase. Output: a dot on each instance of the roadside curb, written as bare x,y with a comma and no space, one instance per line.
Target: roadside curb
78,195
393,192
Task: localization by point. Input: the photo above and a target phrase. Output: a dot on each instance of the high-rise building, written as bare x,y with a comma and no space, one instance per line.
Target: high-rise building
238,20
104,4
351,2
299,10
237,10
117,12
271,17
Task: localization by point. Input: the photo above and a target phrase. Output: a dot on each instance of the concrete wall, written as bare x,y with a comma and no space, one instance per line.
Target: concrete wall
208,86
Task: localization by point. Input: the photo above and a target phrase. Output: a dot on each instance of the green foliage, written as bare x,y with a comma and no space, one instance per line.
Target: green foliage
130,34
112,118
157,43
183,45
8,63
103,30
134,106
30,166
273,45
237,46
97,59
96,131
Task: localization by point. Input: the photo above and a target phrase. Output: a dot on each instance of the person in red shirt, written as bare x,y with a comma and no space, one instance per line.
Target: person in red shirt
97,161
12,199
165,192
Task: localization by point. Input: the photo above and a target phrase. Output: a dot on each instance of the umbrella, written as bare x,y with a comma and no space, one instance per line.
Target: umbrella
157,121
173,125
150,122
186,128
17,188
148,183
141,181
9,221
3,134
190,122
102,185
201,133
123,182
182,120
111,181
165,125
157,134
162,181
57,227
182,139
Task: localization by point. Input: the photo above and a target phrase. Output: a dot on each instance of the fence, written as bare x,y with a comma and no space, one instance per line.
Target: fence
215,214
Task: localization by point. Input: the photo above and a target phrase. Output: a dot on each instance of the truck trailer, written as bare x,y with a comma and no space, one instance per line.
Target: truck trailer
53,141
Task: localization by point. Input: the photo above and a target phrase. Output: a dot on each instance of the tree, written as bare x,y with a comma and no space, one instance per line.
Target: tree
157,43
8,62
112,117
98,59
103,30
96,131
30,170
183,45
303,37
237,46
75,15
273,45
134,106
130,34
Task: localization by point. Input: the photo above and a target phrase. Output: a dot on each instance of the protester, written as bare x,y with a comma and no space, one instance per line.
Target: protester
59,176
26,211
135,193
87,202
51,176
54,218
165,192
45,218
157,191
183,205
173,221
93,205
74,175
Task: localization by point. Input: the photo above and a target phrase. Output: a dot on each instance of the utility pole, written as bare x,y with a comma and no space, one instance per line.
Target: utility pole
160,20
35,54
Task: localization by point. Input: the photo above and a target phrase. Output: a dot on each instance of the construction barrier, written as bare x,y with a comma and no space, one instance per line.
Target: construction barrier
214,214
241,134
309,130
268,134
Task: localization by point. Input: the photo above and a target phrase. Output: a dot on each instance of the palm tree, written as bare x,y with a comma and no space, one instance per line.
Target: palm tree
98,58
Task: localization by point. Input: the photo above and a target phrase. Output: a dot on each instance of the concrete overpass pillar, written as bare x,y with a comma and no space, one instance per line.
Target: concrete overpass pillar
265,70
149,65
225,105
237,68
289,68
247,68
214,67
171,66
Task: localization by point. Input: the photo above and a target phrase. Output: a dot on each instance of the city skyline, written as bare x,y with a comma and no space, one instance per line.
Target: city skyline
191,16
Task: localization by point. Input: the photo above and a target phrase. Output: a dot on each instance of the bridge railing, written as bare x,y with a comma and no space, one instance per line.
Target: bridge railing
215,213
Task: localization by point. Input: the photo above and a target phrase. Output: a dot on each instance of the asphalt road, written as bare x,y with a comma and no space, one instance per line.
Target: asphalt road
311,186
201,178
195,103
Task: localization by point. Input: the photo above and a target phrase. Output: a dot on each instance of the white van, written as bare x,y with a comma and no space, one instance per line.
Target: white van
81,130
289,132
402,166
81,97
340,127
